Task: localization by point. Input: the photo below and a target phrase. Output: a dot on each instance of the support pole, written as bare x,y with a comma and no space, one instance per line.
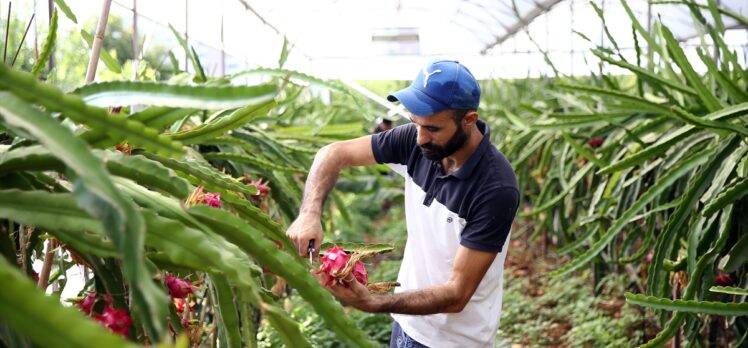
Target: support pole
223,43
135,41
187,35
98,42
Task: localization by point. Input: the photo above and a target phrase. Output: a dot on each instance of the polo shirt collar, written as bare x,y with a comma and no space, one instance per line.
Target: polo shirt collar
469,166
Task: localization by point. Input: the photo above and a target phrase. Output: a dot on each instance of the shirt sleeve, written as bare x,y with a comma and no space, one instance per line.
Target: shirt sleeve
490,221
394,145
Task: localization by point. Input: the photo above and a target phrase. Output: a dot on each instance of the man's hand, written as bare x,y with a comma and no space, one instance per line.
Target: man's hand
450,297
355,295
305,228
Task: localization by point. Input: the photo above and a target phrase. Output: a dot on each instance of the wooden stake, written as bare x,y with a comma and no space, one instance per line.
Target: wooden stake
49,257
98,41
20,45
7,29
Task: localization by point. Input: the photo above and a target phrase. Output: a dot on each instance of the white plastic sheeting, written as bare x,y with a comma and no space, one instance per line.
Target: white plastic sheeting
392,39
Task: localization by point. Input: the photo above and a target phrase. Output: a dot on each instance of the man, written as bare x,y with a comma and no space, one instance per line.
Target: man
461,196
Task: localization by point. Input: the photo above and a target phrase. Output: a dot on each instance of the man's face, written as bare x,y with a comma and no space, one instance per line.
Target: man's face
438,135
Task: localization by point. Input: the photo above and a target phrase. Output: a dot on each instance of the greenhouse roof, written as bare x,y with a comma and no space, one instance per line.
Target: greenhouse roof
391,39
333,28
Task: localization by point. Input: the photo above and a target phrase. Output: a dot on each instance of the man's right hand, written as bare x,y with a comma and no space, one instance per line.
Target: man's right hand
305,228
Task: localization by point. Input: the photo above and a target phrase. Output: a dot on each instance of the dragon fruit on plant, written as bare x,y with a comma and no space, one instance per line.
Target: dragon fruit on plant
116,319
723,279
178,287
212,199
87,303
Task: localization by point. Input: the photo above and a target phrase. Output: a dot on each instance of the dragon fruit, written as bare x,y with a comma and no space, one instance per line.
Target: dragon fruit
86,305
359,271
178,287
262,187
212,199
115,319
336,269
723,279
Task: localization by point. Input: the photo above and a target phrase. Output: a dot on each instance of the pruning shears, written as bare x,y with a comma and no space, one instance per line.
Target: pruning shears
310,250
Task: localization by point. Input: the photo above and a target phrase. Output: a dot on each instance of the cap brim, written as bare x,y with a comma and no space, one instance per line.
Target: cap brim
417,102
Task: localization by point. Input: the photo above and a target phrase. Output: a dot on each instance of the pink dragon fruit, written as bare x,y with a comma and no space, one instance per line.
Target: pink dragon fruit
359,271
116,320
178,287
334,260
333,263
86,305
212,199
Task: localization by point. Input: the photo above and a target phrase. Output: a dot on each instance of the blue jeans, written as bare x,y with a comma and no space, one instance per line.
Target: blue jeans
400,339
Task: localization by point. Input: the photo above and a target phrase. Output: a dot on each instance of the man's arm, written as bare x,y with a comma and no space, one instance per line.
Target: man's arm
323,174
469,267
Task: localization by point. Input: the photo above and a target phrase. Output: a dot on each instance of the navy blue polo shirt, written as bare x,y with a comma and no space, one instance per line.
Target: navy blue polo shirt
483,191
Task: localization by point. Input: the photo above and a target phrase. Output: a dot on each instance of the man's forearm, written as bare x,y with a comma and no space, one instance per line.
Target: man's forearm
438,299
322,177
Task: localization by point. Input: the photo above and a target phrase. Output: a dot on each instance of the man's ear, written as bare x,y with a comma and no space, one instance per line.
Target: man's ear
470,118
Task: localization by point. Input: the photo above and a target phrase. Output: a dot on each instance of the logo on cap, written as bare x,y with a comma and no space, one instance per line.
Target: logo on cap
427,74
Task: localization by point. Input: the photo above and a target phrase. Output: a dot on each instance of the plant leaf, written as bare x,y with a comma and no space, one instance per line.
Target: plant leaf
119,93
222,125
359,247
702,307
25,86
66,10
58,213
49,43
710,101
199,73
729,290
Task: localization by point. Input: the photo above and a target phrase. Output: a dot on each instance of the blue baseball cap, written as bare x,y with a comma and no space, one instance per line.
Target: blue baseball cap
441,85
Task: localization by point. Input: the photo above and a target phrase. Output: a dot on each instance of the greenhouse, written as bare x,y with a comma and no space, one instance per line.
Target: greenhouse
409,173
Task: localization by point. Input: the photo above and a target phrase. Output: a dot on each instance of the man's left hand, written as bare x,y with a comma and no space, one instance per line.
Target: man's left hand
355,294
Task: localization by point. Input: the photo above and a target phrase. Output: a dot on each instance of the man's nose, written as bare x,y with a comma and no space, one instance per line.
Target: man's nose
423,137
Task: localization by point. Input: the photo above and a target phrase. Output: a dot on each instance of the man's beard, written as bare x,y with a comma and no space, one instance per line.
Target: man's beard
437,153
